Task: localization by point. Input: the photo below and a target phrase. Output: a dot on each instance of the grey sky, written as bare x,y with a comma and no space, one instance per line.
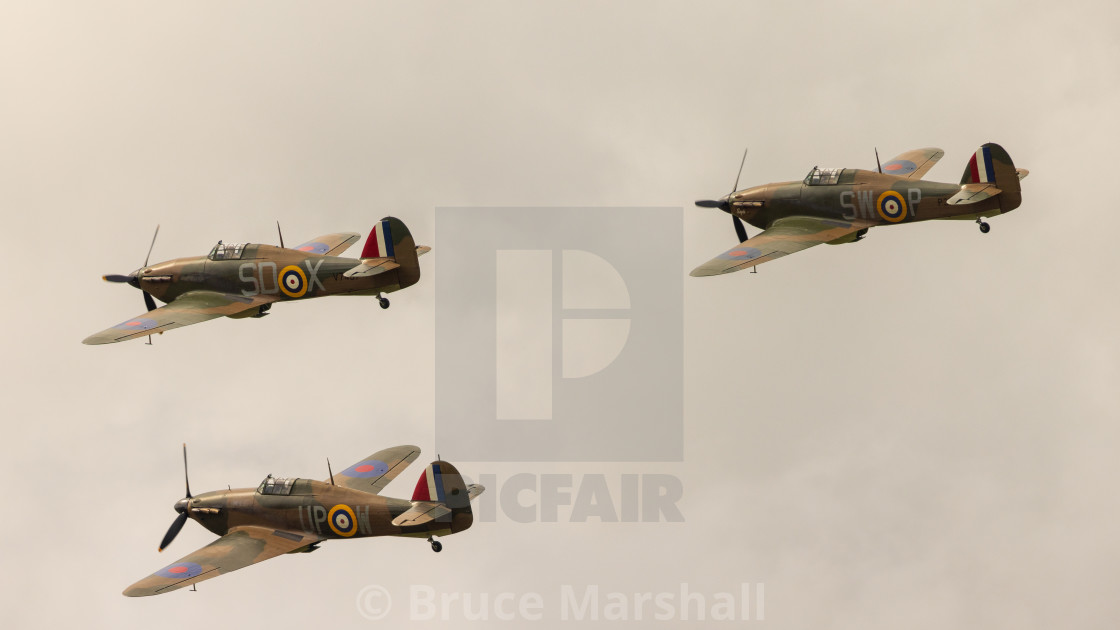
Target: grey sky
918,430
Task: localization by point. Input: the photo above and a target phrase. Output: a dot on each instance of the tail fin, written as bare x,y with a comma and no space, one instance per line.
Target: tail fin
442,483
993,166
391,239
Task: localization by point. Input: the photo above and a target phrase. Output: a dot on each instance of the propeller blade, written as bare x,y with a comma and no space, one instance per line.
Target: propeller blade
740,229
148,301
116,277
185,477
741,163
173,531
151,246
709,203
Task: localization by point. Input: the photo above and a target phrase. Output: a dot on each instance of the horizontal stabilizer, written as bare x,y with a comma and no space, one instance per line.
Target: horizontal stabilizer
474,490
371,267
421,512
1022,173
422,249
973,193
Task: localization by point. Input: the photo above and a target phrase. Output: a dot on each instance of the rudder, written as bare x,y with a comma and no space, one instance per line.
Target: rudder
992,165
390,238
441,483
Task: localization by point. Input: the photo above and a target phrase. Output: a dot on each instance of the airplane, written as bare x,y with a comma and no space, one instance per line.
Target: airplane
240,280
839,205
289,515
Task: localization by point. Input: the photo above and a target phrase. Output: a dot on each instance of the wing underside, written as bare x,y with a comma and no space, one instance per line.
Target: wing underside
241,547
785,236
375,472
189,308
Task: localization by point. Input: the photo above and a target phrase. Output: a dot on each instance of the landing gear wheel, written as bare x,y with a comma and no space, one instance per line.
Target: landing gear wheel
384,302
984,227
437,546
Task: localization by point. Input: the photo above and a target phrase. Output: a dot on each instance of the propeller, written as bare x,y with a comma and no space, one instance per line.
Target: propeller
134,278
181,506
740,229
725,203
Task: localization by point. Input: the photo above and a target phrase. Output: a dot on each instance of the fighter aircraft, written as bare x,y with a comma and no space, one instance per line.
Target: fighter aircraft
245,280
839,205
288,515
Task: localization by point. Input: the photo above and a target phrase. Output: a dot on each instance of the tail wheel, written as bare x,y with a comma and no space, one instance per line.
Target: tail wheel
984,227
384,302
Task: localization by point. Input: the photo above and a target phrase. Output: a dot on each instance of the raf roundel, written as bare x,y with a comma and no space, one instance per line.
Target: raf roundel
899,167
181,570
342,521
314,247
137,323
292,281
366,469
891,206
743,253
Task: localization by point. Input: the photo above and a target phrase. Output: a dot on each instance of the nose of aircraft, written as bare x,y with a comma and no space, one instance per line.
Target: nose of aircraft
749,196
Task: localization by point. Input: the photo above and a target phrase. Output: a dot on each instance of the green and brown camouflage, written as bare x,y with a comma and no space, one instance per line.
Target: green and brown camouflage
289,515
245,279
840,205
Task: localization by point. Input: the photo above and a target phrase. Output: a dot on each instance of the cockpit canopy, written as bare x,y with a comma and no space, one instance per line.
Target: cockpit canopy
276,485
823,176
233,251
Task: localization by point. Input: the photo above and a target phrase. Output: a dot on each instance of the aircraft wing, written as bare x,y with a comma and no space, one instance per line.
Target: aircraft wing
784,236
239,548
375,472
189,308
330,244
913,164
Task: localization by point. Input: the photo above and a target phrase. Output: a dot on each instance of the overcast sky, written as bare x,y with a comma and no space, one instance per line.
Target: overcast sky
918,430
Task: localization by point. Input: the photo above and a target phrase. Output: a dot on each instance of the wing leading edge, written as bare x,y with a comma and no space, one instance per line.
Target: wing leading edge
785,236
189,308
241,547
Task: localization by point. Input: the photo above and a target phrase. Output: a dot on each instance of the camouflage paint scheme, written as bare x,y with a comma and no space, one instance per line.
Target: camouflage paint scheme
245,280
840,205
255,526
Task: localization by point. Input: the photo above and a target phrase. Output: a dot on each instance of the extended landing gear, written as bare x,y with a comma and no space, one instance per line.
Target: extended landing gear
383,301
984,227
437,546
